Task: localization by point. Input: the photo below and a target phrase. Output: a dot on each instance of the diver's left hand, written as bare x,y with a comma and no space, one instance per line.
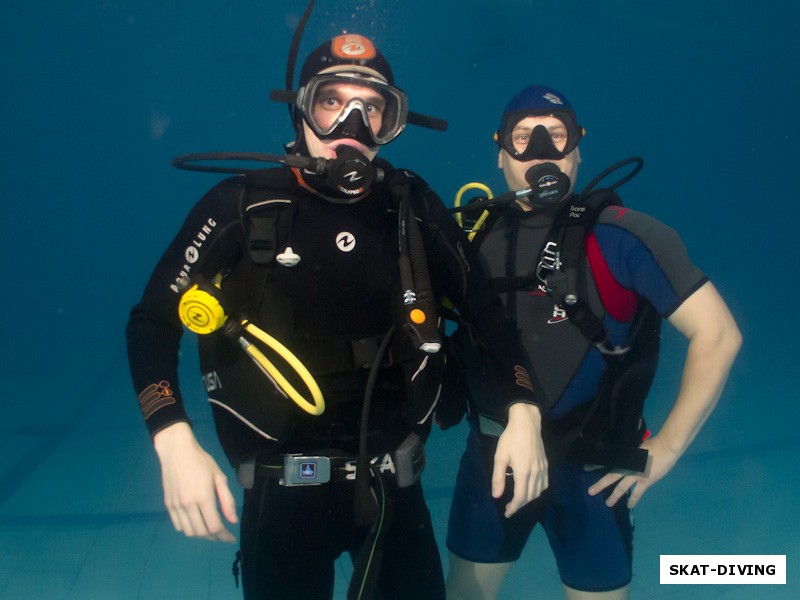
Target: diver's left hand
521,449
660,461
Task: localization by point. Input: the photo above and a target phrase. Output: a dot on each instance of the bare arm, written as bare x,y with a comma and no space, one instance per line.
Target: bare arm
714,341
193,482
521,449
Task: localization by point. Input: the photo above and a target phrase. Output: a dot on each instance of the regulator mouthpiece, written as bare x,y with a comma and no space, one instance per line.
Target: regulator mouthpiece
549,185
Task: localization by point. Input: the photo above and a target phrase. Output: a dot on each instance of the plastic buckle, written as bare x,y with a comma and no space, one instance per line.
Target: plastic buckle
549,261
305,470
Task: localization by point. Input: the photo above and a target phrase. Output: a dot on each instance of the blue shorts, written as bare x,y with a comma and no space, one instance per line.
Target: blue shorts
591,542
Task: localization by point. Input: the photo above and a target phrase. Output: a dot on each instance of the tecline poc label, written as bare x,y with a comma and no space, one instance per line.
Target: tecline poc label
723,569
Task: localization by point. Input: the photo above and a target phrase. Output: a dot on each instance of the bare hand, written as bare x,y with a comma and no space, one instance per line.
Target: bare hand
521,449
660,461
193,482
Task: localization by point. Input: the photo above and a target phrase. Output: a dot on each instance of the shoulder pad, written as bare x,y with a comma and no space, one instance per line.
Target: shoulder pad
265,185
395,175
396,180
264,213
273,178
599,199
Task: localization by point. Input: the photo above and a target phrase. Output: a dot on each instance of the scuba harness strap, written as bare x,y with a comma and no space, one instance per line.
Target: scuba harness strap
559,266
563,256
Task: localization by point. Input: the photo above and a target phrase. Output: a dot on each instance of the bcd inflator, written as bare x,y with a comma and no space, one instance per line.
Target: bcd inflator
421,328
420,321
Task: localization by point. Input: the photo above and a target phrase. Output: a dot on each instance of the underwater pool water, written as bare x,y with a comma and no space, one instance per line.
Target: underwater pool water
98,97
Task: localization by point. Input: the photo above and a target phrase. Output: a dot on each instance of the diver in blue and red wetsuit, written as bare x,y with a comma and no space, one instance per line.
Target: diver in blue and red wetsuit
593,349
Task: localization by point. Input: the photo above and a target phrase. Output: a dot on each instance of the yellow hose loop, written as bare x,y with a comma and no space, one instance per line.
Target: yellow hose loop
317,406
474,185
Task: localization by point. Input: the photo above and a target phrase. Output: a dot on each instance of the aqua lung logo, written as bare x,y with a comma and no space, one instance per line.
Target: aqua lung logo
350,182
543,184
353,176
552,98
353,49
346,242
192,254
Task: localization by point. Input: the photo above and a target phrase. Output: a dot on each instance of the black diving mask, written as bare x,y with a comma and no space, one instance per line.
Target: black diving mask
375,116
525,144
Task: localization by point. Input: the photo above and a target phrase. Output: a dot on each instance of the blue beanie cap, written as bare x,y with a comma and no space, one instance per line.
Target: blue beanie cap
538,97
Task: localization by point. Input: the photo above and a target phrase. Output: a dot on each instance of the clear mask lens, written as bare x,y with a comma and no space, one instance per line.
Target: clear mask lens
539,142
330,105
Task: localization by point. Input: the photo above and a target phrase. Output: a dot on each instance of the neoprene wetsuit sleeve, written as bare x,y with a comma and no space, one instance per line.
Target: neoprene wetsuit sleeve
459,276
647,256
154,331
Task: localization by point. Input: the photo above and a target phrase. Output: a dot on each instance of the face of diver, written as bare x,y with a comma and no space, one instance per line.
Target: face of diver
514,170
328,106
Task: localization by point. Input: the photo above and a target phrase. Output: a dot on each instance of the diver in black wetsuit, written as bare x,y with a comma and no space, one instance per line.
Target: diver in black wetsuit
314,261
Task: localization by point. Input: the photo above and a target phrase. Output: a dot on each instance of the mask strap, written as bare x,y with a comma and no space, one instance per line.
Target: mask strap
294,49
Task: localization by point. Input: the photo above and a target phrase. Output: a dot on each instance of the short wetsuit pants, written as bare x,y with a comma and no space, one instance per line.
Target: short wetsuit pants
291,536
591,542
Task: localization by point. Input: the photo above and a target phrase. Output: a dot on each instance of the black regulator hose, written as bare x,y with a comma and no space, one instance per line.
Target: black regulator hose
482,203
196,162
350,172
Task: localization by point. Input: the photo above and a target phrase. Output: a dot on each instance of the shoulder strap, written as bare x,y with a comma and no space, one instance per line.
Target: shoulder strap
567,242
266,214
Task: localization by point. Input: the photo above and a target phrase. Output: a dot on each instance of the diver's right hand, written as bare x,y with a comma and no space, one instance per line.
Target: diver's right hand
192,484
521,449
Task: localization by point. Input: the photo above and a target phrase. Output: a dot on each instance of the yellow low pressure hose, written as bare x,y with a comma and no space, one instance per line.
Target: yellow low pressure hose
315,407
462,190
201,311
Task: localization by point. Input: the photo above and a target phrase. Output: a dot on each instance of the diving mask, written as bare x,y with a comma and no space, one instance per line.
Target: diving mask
538,143
353,105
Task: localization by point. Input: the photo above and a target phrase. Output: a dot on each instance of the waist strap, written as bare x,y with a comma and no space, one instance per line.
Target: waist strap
316,469
337,355
405,465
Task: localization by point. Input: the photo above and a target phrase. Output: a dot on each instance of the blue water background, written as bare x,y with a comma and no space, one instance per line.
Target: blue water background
99,95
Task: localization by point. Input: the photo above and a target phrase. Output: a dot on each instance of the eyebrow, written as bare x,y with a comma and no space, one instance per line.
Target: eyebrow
528,128
369,93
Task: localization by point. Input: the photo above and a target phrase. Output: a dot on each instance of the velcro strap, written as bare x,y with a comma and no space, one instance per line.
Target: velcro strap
508,284
337,355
